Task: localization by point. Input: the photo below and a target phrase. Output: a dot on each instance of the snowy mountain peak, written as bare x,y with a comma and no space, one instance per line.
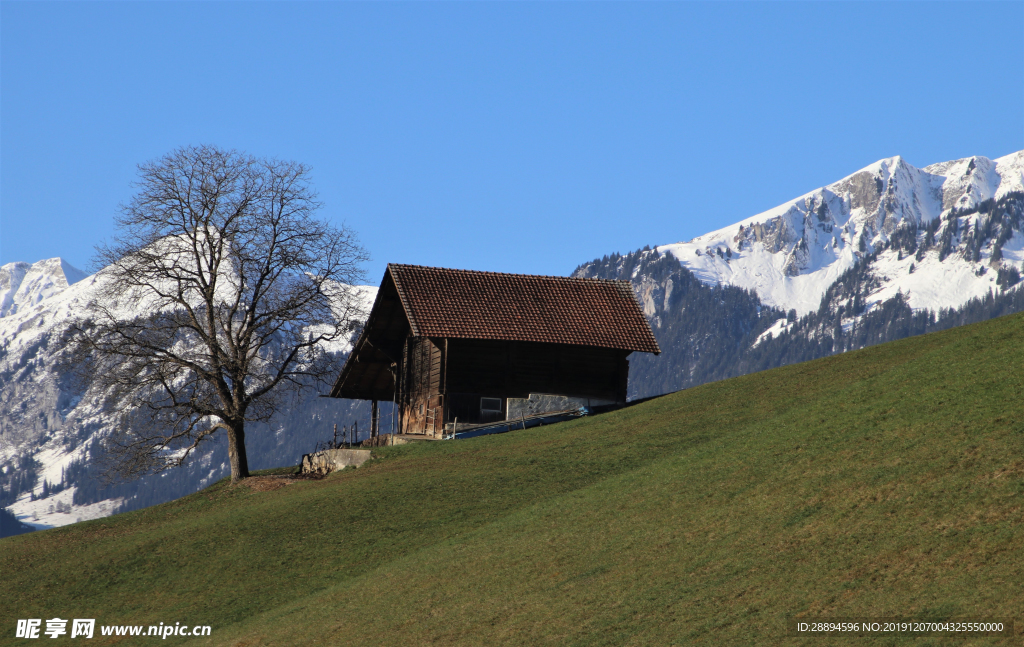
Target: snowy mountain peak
24,285
790,254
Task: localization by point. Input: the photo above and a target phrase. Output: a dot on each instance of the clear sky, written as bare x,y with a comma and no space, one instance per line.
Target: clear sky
519,137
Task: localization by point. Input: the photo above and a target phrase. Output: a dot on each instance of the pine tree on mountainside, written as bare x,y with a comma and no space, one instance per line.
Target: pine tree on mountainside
10,526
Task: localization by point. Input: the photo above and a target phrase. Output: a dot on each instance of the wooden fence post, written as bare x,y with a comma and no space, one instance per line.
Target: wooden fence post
374,418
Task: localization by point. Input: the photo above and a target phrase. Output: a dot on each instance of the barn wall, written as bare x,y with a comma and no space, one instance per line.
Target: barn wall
423,385
448,378
485,368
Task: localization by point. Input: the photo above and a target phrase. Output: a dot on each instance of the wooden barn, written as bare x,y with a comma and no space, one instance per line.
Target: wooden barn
447,344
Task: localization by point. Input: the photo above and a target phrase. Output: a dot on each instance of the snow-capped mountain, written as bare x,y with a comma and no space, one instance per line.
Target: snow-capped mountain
791,254
49,424
23,285
888,252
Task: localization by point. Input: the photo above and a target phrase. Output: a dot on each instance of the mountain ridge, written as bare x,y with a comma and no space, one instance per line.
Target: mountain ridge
908,273
791,253
24,285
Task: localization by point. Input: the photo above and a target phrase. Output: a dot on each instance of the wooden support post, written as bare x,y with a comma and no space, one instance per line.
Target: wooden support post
374,419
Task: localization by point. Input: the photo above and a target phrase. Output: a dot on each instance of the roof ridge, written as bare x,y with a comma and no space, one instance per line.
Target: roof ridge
515,274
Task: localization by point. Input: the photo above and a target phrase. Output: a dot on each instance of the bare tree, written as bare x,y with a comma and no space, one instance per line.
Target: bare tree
219,297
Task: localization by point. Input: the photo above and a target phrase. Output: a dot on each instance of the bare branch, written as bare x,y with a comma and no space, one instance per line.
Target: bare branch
241,286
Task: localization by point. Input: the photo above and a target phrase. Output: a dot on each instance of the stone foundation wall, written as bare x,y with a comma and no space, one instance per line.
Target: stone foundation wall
331,460
546,402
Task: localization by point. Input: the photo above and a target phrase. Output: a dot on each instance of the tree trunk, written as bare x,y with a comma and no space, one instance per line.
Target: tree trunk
236,452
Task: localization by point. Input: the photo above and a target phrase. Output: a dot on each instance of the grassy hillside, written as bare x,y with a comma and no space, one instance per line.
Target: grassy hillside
885,482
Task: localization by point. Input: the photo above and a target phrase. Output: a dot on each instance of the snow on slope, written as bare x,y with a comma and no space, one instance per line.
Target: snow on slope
58,509
39,414
790,254
23,285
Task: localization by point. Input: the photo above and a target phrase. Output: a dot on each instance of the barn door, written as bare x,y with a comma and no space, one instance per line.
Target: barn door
433,422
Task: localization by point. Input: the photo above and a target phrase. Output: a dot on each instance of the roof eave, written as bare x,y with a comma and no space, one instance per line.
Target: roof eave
402,298
346,369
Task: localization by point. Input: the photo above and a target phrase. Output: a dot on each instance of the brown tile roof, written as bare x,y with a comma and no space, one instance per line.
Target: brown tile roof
520,307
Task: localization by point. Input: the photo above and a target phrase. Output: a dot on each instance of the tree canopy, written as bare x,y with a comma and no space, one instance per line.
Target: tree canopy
221,296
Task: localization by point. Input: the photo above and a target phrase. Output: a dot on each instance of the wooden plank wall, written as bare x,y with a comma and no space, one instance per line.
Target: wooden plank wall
423,384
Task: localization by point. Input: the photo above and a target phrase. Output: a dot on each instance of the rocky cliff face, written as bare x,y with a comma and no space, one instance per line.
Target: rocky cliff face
791,254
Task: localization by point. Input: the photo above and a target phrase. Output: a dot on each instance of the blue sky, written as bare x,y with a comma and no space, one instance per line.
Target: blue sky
519,137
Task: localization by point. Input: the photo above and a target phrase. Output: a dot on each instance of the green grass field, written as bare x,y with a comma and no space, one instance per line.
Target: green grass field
884,482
